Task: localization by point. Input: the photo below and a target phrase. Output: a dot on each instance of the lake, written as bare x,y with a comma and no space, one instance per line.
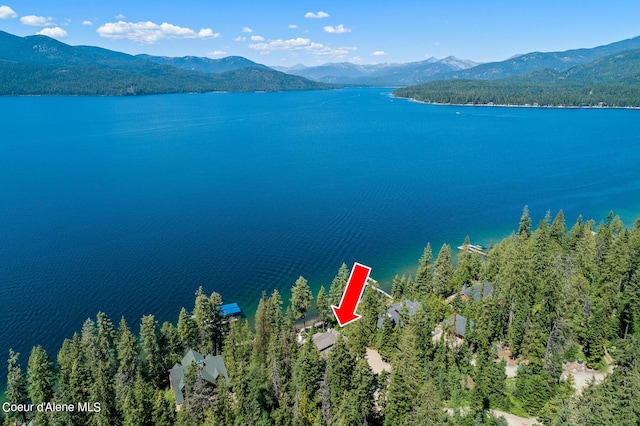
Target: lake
128,205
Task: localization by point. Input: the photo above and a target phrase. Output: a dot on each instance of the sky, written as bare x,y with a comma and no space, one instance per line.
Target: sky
309,32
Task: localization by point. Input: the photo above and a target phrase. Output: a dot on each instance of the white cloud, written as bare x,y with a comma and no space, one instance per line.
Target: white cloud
207,33
150,32
36,21
301,44
293,26
379,53
319,15
338,29
7,13
247,30
55,32
217,53
120,16
87,23
257,38
240,39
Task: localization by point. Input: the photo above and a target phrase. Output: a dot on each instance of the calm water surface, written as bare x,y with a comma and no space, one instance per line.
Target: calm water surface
128,205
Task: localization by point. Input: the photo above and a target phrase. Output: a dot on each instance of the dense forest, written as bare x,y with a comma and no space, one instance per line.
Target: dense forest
612,81
40,65
36,79
558,296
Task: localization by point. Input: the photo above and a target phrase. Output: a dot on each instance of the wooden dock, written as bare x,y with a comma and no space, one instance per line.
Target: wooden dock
474,248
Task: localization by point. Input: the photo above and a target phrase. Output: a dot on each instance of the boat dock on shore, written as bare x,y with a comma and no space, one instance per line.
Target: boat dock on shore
474,248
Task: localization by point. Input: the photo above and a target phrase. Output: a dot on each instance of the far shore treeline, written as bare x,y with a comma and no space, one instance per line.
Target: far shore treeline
557,295
612,81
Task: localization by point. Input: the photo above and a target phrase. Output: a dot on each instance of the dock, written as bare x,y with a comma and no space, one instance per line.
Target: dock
474,248
230,310
378,289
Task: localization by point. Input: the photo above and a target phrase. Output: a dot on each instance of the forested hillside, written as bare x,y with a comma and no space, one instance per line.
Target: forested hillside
611,81
40,65
554,296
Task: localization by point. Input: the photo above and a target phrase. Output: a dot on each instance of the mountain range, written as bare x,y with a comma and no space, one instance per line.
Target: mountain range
347,73
39,65
613,81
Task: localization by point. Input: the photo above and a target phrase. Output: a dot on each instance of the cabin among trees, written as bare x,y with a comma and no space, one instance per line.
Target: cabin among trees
207,368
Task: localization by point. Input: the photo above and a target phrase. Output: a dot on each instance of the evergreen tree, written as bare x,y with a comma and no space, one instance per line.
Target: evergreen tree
138,405
153,366
40,381
443,272
397,288
428,407
301,298
263,332
40,376
163,410
341,364
424,273
558,229
322,307
338,285
16,386
106,343
274,314
187,330
407,382
524,229
220,414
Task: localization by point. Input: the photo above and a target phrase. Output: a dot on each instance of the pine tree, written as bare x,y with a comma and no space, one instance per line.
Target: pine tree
163,410
137,409
16,386
153,366
443,272
301,299
106,343
424,272
322,307
465,266
74,380
263,332
341,364
524,229
338,285
558,229
406,383
187,330
397,288
220,414
40,380
428,407
40,376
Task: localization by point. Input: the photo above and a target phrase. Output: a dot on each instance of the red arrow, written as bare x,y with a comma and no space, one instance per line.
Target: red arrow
346,313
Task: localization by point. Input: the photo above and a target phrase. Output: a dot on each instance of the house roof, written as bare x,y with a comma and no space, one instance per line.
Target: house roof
457,324
209,368
394,312
325,340
477,291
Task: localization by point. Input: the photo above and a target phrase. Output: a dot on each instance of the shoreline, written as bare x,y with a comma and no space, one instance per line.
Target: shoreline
515,105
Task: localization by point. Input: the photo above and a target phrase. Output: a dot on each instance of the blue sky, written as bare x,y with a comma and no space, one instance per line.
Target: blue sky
316,32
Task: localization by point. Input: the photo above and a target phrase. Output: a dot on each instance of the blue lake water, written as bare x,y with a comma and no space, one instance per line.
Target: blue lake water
128,205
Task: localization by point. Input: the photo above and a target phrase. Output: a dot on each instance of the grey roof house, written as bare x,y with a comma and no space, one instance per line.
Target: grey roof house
324,341
209,368
394,312
477,291
457,325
